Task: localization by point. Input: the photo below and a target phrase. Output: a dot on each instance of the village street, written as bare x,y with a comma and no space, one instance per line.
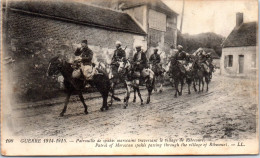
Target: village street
227,111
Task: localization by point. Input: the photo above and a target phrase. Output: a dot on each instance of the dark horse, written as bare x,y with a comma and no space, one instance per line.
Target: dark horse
190,74
100,81
200,74
177,75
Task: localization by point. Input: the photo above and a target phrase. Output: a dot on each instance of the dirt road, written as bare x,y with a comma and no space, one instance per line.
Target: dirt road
227,111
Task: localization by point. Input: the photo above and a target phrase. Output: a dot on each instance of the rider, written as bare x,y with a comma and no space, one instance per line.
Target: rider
203,60
140,60
155,57
155,61
84,60
209,62
119,54
180,56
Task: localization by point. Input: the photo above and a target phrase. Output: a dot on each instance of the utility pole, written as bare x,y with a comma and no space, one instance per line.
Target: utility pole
182,15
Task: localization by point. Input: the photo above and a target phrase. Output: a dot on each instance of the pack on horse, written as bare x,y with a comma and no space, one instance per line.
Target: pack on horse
177,70
132,79
156,67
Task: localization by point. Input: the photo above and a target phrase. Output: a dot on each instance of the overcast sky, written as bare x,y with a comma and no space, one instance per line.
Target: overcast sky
217,16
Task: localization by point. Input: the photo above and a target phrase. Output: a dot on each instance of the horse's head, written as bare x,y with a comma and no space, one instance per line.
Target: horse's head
54,66
123,66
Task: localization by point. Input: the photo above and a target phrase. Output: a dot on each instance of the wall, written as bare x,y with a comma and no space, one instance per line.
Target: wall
164,36
33,41
139,14
250,56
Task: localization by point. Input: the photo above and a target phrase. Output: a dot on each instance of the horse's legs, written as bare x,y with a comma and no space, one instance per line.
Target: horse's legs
154,86
199,84
128,90
149,95
113,85
134,100
207,82
104,106
139,94
194,85
176,83
182,83
202,84
83,102
189,83
161,84
66,103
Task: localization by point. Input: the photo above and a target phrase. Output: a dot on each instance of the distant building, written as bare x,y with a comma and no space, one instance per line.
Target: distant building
239,49
155,18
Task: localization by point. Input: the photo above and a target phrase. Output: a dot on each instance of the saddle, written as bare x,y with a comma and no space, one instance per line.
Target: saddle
86,72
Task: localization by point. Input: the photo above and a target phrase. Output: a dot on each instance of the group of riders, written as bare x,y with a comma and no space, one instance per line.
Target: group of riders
84,56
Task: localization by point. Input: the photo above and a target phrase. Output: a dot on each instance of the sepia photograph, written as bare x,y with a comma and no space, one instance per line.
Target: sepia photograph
129,77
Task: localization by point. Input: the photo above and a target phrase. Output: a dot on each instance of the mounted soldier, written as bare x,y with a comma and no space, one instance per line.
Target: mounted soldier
203,60
83,63
180,56
155,60
119,55
209,61
139,61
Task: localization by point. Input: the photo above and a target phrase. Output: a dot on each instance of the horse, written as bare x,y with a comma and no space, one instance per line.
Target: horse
159,75
177,75
200,74
190,75
100,81
114,79
132,80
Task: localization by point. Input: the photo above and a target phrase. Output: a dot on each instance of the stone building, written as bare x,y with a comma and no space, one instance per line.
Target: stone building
239,52
36,31
155,18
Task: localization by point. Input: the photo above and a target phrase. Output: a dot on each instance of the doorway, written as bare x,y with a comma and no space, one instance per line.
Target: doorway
241,64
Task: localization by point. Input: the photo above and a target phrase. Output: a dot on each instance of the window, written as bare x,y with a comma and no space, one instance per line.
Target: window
230,60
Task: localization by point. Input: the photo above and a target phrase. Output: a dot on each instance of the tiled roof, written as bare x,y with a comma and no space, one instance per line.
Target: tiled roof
244,35
79,13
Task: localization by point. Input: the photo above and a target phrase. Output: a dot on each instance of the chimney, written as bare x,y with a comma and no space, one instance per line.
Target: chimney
239,19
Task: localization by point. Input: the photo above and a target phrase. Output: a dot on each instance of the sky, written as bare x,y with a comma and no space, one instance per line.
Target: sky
218,16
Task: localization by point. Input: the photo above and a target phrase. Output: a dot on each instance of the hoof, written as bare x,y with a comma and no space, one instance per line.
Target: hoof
175,96
101,109
148,101
86,112
106,108
124,107
134,100
160,91
61,114
180,94
188,92
142,103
